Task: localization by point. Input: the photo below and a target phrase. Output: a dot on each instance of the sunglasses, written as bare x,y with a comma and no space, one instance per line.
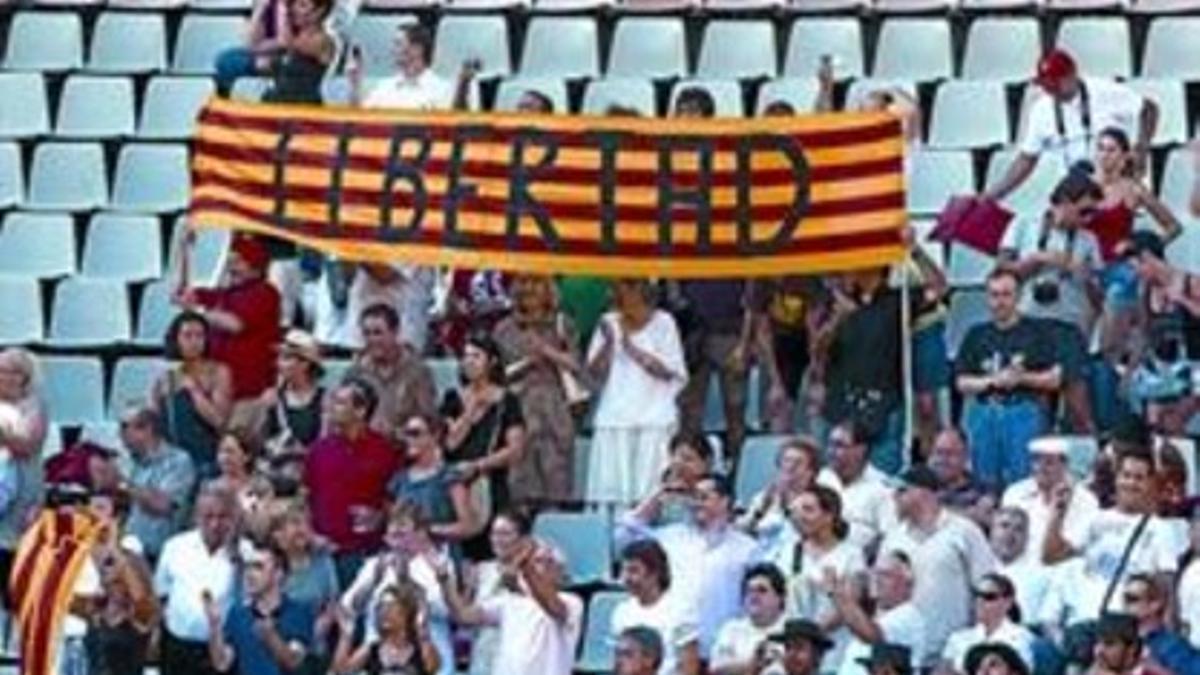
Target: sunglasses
1134,598
989,596
414,432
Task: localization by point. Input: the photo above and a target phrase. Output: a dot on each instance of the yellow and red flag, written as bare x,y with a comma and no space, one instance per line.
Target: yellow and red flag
609,196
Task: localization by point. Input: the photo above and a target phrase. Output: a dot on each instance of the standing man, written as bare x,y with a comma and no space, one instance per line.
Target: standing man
196,576
267,633
1005,369
1064,121
347,472
402,381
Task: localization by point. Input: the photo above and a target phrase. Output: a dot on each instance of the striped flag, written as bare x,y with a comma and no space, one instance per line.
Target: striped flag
610,196
47,563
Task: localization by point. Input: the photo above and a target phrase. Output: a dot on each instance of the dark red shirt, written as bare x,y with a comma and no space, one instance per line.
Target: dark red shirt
249,354
341,474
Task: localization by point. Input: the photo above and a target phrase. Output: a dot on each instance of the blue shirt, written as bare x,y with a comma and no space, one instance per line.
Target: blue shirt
293,621
1173,652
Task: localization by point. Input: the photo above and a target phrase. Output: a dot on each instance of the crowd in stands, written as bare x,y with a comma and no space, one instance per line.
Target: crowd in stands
264,515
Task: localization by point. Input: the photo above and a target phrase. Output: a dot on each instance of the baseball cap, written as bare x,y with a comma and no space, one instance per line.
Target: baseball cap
1055,66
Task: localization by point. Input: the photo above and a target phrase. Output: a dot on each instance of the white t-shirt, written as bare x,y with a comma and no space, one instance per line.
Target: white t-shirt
1032,581
531,641
630,397
410,294
186,570
1157,549
669,617
426,91
1110,105
867,504
1009,633
738,639
1189,602
1073,304
1073,595
901,625
1081,512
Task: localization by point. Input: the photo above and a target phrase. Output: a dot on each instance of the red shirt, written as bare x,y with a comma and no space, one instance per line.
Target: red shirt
249,354
340,475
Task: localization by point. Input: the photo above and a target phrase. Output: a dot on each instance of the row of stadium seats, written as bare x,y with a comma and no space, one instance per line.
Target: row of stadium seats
918,49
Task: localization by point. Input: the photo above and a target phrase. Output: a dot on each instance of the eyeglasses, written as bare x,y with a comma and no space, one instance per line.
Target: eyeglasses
414,432
1134,598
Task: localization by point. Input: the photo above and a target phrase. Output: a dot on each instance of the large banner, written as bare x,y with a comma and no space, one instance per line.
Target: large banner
611,196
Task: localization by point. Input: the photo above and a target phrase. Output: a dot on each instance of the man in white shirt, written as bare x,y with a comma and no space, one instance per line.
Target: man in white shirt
415,86
739,639
197,567
646,575
1010,542
897,621
1037,496
539,624
948,552
708,555
639,651
867,502
1064,121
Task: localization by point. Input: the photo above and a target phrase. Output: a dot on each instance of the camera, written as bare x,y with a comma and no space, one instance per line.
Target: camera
1046,292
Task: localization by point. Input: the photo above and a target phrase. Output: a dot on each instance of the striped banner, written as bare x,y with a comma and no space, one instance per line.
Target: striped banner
42,581
610,196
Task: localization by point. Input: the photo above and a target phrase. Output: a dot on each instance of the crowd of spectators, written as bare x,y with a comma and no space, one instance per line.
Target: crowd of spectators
263,516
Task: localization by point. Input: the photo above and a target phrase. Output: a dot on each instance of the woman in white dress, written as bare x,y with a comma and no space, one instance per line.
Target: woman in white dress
23,428
637,358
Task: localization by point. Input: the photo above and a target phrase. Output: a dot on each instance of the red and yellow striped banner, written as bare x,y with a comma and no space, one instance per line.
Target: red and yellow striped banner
42,582
580,195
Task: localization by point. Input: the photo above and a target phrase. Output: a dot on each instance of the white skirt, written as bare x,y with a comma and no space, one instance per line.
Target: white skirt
625,463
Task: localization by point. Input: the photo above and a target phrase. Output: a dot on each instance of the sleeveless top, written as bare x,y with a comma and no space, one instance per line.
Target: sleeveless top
186,429
1177,325
115,650
1111,225
375,664
296,79
304,422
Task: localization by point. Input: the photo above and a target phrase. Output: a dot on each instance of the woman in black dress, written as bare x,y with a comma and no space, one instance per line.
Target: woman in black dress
403,648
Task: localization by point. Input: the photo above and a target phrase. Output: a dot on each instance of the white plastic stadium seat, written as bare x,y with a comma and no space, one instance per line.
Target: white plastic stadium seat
123,247
24,112
914,49
510,92
44,41
74,389
625,92
726,94
1099,44
558,46
68,177
202,37
968,114
734,49
1004,49
152,178
798,92
463,37
89,312
21,305
96,107
128,43
811,39
39,245
937,175
171,106
650,47
1172,50
12,176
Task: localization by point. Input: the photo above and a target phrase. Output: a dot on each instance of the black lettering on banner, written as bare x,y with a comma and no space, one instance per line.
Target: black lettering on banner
337,178
697,200
520,201
609,143
800,200
286,133
458,192
398,168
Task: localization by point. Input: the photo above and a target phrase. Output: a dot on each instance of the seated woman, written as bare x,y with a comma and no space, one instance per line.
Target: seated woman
286,39
797,465
691,458
403,646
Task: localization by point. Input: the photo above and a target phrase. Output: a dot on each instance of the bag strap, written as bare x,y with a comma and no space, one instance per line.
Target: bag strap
1085,119
285,426
1125,556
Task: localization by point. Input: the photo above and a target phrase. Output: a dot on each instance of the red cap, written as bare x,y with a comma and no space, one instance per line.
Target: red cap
1053,68
250,249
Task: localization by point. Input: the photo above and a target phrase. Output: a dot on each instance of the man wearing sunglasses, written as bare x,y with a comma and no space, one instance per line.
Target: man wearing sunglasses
1146,601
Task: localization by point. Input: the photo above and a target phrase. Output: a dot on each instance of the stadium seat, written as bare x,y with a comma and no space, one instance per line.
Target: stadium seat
21,305
914,49
483,37
482,5
967,308
44,41
657,5
96,107
74,389
991,5
68,177
155,313
375,34
250,89
969,115
1004,49
23,109
122,247
128,43
132,379
151,178
579,469
208,255
1163,6
922,228
596,656
1031,198
1171,97
714,411
734,49
1171,48
557,46
585,539
201,38
799,92
1100,44
89,312
1175,192
40,245
652,47
937,175
105,434
726,94
823,6
509,93
916,6
12,176
857,92
839,37
571,5
445,375
624,92
968,268
171,105
756,466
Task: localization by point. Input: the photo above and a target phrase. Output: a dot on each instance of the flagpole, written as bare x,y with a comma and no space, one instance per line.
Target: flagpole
906,360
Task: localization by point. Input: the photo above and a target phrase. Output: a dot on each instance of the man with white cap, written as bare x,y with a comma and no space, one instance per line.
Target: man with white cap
1050,488
1065,120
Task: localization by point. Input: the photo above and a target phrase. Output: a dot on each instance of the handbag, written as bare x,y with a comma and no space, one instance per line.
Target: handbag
576,393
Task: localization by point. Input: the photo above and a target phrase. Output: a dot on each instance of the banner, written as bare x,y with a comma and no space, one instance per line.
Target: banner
608,196
42,582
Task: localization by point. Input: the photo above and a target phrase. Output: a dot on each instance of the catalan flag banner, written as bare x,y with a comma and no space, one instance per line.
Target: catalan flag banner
601,196
42,582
